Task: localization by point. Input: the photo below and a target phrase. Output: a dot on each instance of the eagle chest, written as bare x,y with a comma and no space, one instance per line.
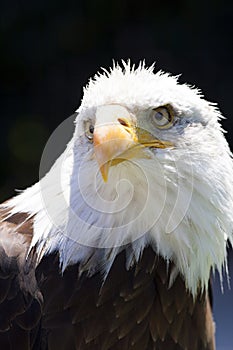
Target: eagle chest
131,309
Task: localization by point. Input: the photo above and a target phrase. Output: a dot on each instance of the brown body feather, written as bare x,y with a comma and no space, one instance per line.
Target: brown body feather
42,309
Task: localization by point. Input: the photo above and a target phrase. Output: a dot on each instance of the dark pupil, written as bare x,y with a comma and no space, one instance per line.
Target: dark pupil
159,116
91,129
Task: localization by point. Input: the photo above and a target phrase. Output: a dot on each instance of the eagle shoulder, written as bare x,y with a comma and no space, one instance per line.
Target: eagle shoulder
20,298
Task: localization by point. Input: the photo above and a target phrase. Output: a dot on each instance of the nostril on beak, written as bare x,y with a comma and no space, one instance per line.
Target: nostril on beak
123,122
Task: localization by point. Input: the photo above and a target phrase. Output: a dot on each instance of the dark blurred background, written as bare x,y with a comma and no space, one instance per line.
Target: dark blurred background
49,49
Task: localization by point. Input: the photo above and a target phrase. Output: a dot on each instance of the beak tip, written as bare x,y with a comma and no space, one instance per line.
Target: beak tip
104,169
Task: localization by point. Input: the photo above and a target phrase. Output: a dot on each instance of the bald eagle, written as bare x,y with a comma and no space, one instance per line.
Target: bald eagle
114,246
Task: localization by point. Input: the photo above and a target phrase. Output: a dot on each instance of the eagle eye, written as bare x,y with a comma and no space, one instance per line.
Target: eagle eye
89,130
162,117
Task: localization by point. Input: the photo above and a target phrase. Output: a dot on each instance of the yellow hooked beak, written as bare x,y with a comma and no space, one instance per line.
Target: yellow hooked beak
119,139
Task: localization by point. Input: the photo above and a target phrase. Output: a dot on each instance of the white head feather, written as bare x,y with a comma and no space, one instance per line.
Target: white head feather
180,200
